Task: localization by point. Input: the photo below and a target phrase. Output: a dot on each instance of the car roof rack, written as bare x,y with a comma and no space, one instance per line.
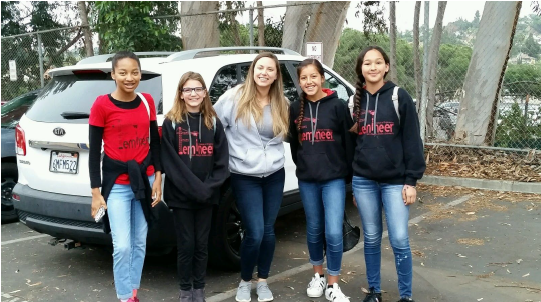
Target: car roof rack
106,57
195,53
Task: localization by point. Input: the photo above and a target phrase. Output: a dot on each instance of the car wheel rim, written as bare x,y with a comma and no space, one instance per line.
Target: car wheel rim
234,230
7,190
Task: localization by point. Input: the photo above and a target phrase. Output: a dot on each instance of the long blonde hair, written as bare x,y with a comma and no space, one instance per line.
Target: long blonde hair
179,110
248,104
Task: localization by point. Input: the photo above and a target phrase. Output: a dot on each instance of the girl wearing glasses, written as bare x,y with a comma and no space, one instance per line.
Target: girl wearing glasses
195,157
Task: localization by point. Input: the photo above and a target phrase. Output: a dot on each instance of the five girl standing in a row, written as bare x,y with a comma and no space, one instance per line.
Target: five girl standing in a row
379,151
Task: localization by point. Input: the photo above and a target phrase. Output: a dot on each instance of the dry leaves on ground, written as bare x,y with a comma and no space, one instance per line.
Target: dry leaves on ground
483,163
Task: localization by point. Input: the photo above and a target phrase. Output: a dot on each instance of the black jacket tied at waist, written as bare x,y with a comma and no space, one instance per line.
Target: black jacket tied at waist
138,181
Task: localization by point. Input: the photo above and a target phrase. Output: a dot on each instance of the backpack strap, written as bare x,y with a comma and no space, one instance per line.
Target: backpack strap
351,104
144,100
395,101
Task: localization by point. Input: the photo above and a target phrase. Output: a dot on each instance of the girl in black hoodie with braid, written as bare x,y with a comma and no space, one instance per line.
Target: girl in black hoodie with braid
196,160
322,148
387,164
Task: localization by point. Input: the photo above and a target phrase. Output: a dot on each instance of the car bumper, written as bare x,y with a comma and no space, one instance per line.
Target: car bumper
68,217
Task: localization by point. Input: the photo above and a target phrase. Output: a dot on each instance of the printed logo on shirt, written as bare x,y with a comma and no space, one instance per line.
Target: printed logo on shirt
381,128
197,148
320,135
128,136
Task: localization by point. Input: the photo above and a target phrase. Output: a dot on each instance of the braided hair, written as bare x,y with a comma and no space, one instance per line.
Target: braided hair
301,115
302,65
357,106
361,81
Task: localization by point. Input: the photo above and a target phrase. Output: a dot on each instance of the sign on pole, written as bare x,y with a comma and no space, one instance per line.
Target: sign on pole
12,70
315,50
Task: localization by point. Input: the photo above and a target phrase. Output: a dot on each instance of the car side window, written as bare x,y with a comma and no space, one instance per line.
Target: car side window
290,91
225,79
334,84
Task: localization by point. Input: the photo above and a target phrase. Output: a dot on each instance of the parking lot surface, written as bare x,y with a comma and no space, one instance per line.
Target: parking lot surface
467,246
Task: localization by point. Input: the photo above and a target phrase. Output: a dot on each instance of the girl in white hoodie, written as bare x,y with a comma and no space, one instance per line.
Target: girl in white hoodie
255,116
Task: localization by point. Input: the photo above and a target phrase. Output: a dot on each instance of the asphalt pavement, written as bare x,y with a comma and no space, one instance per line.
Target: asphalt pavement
465,248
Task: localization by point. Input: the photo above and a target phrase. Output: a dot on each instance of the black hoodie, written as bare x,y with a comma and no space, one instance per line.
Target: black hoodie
195,161
326,151
392,151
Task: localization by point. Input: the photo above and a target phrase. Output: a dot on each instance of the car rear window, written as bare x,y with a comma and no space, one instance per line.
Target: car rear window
77,93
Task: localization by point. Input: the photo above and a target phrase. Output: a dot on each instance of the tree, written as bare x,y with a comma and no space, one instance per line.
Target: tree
193,26
392,37
228,23
295,21
531,47
23,49
326,23
476,19
83,14
416,55
478,107
453,62
131,26
522,79
260,24
433,65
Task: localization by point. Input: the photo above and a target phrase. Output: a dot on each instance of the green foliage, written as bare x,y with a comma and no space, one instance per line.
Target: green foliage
273,33
523,79
130,26
453,64
515,131
532,47
24,49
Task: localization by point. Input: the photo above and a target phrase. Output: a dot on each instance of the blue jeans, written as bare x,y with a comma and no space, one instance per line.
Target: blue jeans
129,231
324,204
258,200
371,196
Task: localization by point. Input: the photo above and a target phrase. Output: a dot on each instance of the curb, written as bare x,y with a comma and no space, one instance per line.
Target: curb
485,184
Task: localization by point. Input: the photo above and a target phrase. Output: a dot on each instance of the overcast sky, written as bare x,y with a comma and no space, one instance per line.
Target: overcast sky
404,9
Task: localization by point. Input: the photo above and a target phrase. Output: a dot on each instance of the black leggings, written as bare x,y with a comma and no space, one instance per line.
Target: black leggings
192,227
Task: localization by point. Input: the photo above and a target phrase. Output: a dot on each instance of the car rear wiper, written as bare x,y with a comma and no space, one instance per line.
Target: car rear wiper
69,115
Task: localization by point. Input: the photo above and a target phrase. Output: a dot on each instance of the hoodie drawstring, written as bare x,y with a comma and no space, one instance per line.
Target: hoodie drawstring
375,111
314,124
190,133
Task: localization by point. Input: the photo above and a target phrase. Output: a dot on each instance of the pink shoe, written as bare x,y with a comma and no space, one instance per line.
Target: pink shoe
133,299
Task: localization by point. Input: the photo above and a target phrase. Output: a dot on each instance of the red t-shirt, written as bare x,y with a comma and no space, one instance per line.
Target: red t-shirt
126,131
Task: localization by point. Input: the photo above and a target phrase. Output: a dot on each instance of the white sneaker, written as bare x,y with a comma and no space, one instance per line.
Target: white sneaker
316,287
334,294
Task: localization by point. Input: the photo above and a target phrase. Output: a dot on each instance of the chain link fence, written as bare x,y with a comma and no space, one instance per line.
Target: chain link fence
516,114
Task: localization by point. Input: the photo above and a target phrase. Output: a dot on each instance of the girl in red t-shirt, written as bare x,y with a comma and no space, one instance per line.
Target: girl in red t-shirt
126,123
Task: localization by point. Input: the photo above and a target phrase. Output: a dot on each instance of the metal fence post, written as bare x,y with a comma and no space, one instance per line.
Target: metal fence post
424,90
40,52
251,15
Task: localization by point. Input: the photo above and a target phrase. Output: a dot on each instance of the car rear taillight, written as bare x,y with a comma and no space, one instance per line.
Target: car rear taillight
20,141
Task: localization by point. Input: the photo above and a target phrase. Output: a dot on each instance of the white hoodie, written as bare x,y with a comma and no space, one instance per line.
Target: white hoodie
247,153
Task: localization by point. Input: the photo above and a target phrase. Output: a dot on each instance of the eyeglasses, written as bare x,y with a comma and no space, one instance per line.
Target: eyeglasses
197,90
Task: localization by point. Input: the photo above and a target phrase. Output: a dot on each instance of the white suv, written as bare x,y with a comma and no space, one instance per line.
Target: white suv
53,192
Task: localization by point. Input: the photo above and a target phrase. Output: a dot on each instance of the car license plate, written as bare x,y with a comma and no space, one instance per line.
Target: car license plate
64,162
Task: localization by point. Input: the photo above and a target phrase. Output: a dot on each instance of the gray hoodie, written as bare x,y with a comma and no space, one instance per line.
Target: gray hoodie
248,155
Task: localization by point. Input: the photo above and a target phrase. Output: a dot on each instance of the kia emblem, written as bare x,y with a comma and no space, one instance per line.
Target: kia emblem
59,131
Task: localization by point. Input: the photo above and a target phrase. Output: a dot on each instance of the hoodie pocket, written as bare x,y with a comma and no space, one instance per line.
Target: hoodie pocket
375,163
316,166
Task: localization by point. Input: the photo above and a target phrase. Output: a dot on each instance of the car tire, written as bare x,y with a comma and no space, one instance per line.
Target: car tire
226,234
9,180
